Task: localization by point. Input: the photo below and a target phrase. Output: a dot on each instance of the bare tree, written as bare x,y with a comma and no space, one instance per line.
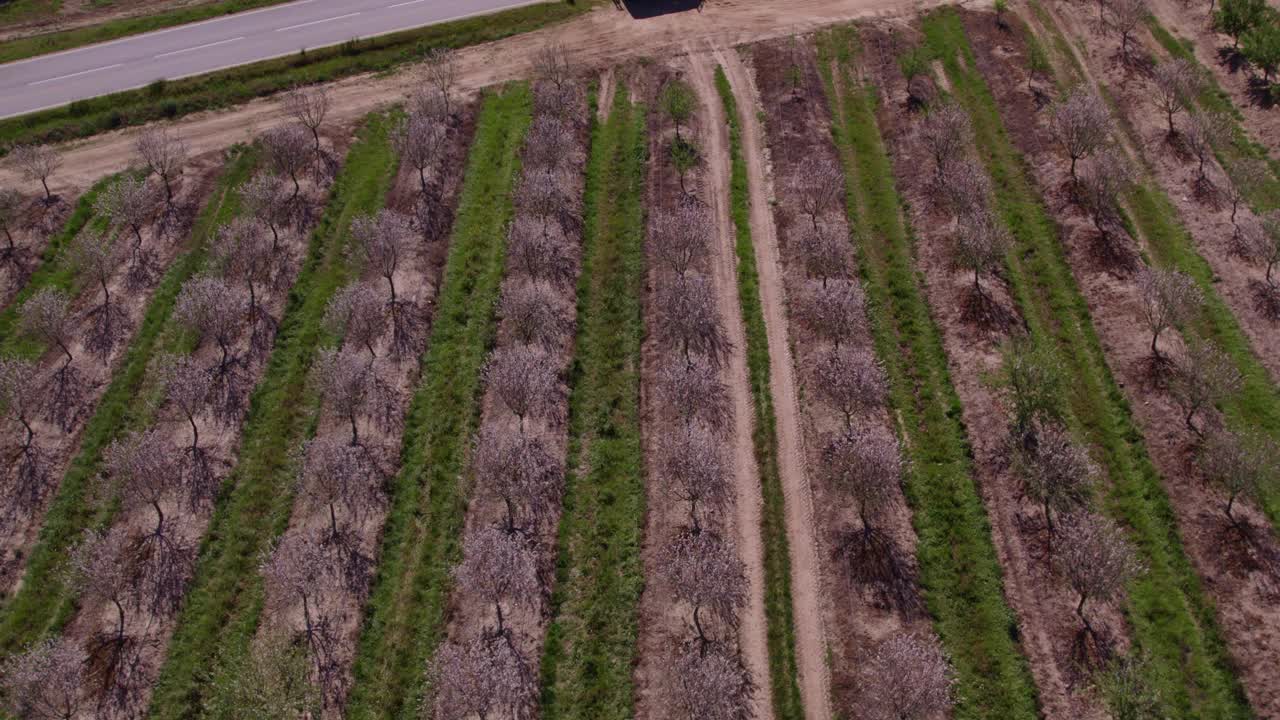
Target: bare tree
164,154
694,392
818,186
710,685
297,570
92,258
544,257
37,162
101,571
1081,123
47,317
1127,16
850,379
187,388
43,682
352,389
1056,472
10,209
824,253
483,678
525,379
682,237
357,314
1205,376
1168,297
386,240
1244,464
201,308
1247,176
130,202
1205,131
288,149
1097,559
308,106
536,314
692,464
705,573
1177,82
908,678
866,464
551,65
688,321
419,140
1259,242
519,470
980,246
500,568
946,134
834,311
266,199
1103,183
21,398
440,69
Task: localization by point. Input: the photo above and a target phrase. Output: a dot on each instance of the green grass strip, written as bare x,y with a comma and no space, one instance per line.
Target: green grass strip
223,605
52,272
223,88
783,671
591,645
44,602
959,571
1170,617
405,619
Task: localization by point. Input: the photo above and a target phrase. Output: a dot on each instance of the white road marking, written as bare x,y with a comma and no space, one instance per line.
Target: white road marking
317,22
75,74
411,2
199,47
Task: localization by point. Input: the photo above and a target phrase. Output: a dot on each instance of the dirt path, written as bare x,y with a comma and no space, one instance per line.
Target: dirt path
604,96
806,570
752,632
601,38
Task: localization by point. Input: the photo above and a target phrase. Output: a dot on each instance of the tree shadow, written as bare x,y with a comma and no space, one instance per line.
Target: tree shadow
643,9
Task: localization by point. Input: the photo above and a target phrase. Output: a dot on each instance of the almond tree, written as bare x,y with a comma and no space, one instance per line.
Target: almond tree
1247,175
21,398
525,380
352,389
1177,82
966,188
549,143
1259,242
946,134
692,464
519,470
694,392
1081,123
385,240
308,106
43,683
357,314
818,186
297,570
908,678
551,65
541,196
419,140
10,208
1097,559
245,255
187,388
1204,377
338,475
92,258
201,308
1168,297
100,570
536,314
866,464
164,154
1244,464
1104,181
483,678
288,150
1206,131
706,574
980,246
131,202
1056,472
47,318
266,199
441,70
682,237
37,162
708,685
500,568
688,321
678,103
1127,16
851,380
544,257
834,311
824,253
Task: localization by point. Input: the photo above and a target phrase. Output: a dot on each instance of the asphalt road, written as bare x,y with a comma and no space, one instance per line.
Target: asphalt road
51,80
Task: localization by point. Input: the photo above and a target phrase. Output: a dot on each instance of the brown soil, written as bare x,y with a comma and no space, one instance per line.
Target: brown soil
598,39
1241,589
37,222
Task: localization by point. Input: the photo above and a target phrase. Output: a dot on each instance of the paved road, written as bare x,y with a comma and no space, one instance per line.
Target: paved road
52,80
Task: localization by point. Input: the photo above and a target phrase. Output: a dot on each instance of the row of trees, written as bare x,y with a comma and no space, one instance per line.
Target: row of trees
516,466
1254,27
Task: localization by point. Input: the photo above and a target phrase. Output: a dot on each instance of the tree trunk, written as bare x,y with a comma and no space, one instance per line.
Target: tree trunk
355,434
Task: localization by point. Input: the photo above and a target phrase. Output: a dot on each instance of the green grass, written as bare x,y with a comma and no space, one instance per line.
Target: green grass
959,573
223,606
45,602
591,644
405,619
223,88
783,672
52,272
1170,618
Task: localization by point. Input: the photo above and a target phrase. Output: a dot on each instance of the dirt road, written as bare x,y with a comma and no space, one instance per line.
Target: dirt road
598,39
806,569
